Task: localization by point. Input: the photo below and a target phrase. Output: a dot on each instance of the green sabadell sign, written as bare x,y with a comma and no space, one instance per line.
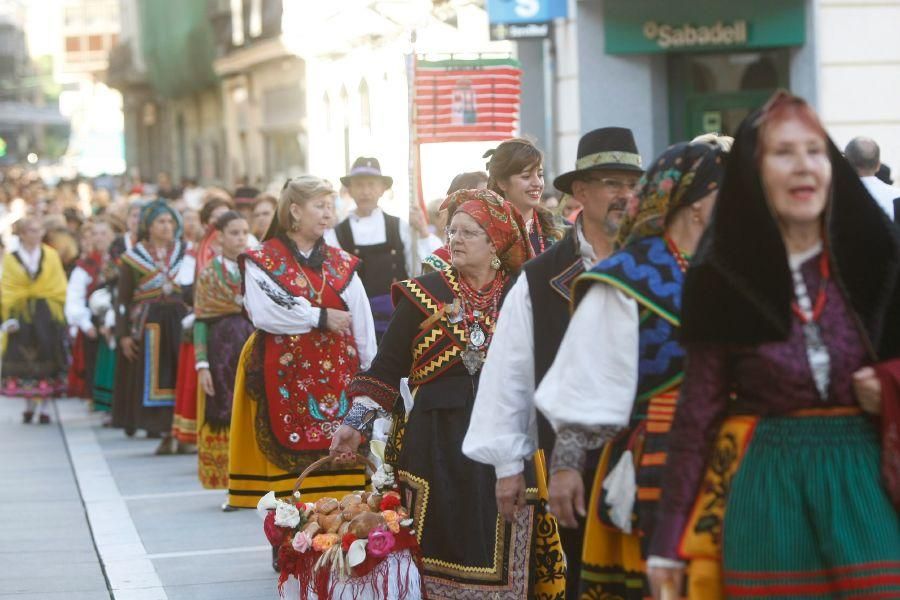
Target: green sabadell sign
652,26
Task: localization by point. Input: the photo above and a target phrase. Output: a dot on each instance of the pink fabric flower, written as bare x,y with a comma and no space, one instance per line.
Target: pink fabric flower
381,542
301,542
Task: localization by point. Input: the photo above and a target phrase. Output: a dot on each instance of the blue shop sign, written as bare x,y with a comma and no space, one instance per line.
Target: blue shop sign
526,11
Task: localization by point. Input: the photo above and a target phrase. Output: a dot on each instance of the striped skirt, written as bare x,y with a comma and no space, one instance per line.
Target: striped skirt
807,516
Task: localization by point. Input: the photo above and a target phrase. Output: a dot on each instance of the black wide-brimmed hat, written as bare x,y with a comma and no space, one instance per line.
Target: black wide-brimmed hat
602,149
366,166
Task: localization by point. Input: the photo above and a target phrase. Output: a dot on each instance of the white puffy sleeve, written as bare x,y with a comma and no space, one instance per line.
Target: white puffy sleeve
424,246
588,393
503,428
272,309
362,323
76,309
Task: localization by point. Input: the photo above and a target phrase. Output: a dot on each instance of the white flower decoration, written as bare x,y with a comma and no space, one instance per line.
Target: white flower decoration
265,504
286,515
383,478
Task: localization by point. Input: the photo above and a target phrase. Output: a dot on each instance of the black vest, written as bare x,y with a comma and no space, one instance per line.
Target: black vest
381,264
550,276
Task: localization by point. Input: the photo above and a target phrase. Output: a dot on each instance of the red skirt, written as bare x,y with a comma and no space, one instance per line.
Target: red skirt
184,424
77,386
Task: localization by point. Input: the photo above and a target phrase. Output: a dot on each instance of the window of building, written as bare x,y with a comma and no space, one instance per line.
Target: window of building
345,115
73,43
284,154
255,24
237,22
365,107
329,111
73,16
95,43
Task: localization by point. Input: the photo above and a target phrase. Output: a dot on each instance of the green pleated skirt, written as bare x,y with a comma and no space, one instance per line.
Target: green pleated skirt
807,516
104,375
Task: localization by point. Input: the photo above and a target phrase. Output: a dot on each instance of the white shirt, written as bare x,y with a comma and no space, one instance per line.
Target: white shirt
273,310
30,258
503,428
883,193
371,230
76,310
593,380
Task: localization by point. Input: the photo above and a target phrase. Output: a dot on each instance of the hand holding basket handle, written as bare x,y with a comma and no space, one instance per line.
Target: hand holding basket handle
352,458
344,444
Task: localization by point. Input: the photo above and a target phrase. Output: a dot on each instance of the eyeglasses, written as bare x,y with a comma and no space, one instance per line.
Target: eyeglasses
616,185
466,234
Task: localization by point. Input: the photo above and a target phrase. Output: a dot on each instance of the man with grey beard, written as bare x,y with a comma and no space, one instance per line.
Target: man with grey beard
505,430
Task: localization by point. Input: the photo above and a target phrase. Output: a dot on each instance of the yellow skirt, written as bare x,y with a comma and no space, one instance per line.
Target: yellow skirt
611,562
251,475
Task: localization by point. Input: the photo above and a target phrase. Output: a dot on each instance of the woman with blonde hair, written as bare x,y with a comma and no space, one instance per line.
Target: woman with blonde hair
314,331
33,293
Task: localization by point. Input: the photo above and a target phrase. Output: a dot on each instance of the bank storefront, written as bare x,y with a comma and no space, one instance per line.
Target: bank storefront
685,68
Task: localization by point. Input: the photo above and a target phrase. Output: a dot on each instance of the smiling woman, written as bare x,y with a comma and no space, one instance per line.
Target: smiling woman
516,173
790,301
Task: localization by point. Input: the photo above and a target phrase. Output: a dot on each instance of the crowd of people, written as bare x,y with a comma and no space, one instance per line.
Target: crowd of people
579,397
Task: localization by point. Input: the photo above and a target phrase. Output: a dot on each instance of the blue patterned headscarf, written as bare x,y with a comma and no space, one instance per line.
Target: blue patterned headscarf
680,176
151,212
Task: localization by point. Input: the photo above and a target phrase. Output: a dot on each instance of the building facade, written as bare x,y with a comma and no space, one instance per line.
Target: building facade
673,70
263,93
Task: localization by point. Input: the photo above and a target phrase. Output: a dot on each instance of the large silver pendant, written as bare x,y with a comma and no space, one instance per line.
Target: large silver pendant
472,359
167,288
476,336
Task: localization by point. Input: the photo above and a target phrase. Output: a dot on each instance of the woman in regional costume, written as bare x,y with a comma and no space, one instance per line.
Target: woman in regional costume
438,338
314,331
154,276
91,274
790,302
616,376
185,421
220,331
516,173
32,300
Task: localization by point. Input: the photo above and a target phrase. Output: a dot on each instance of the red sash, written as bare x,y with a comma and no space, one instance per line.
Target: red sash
306,375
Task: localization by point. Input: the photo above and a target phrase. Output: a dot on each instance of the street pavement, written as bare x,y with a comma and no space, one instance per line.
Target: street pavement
88,514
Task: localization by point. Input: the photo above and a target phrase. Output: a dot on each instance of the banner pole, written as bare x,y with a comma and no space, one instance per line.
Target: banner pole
414,163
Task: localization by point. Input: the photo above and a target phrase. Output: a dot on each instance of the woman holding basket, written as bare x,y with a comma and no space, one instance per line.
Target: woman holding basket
438,337
314,331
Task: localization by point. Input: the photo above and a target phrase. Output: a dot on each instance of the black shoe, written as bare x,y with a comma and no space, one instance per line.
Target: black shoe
229,508
275,559
130,431
44,419
27,416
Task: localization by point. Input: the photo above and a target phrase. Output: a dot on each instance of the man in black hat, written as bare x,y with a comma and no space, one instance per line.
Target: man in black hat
381,240
505,430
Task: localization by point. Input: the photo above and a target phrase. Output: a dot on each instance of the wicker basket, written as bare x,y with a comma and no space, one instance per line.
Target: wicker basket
384,565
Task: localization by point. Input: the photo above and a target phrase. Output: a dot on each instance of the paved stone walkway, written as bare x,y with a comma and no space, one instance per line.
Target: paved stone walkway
88,514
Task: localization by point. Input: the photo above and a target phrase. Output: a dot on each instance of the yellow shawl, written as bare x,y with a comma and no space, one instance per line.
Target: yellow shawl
18,291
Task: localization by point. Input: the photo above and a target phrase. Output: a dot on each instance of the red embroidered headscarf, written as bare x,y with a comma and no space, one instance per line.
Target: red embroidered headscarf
500,220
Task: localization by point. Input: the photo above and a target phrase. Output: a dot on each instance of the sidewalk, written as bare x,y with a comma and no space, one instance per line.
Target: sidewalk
133,526
46,549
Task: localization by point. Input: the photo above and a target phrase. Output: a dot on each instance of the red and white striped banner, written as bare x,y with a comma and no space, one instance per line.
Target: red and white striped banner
467,100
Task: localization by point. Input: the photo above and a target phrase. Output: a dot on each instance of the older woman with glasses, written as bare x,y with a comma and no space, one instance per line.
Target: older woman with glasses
438,337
